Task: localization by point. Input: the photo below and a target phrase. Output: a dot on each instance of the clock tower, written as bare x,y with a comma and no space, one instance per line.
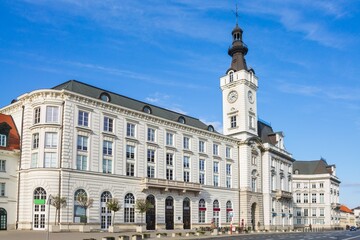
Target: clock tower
239,87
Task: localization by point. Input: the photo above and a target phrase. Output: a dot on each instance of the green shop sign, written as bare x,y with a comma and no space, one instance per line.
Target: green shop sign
39,201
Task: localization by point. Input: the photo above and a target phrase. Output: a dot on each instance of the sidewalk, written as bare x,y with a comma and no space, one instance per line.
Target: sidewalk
42,235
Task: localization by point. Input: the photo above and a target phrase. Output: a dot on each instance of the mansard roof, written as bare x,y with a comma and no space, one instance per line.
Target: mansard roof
114,98
312,167
266,133
8,125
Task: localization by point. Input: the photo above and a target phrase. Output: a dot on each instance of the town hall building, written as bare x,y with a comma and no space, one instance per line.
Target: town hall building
81,139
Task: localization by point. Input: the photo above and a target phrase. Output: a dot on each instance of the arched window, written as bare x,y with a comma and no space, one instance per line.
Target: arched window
129,210
105,97
181,119
147,109
216,213
231,76
3,219
228,211
79,210
39,208
253,180
105,212
202,211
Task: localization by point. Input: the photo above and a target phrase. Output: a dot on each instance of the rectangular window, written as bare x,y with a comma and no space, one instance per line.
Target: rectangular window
202,178
216,180
251,122
83,119
169,159
169,174
313,185
2,165
82,143
321,197
186,162
151,155
201,146
322,212
228,169
233,121
313,198
51,140
202,216
186,143
37,115
306,198
298,221
130,167
150,171
151,135
130,130
306,212
313,212
107,165
50,160
297,185
216,167
216,149
52,114
228,152
2,189
107,148
81,162
202,164
34,160
298,212
108,124
130,152
169,139
321,185
186,176
298,197
228,181
2,140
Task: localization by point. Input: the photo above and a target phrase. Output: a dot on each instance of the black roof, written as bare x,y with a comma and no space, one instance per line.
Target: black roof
266,133
312,167
95,92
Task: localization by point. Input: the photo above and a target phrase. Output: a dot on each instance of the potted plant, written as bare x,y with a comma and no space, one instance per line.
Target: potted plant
113,205
142,206
85,202
58,202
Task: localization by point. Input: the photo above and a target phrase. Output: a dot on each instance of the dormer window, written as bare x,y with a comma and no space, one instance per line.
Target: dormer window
147,109
2,140
181,119
211,128
105,97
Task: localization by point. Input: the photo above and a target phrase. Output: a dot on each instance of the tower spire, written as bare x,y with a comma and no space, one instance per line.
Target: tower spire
238,50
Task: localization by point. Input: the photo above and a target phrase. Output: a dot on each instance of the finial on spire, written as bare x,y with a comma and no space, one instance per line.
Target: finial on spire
236,14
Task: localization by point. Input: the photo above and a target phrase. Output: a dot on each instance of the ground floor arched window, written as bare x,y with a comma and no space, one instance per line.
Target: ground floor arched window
202,211
3,219
39,204
228,211
105,211
79,210
216,213
129,208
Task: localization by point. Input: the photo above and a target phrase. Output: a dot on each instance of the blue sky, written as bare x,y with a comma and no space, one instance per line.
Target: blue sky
306,54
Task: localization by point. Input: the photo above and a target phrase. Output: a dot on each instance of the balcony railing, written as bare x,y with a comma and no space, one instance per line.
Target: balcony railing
170,185
283,194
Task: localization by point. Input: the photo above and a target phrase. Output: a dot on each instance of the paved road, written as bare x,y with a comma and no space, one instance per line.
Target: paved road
41,235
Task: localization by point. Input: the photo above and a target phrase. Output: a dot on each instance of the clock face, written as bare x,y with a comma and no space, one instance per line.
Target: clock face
233,95
250,96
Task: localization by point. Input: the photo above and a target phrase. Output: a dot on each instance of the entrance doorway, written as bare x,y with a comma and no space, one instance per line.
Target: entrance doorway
186,213
169,213
253,218
3,219
151,214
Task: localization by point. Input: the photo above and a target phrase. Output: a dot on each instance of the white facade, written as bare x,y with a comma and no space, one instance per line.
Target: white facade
67,148
316,200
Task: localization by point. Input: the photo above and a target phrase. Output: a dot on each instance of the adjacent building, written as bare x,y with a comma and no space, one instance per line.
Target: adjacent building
347,217
357,215
316,190
9,158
